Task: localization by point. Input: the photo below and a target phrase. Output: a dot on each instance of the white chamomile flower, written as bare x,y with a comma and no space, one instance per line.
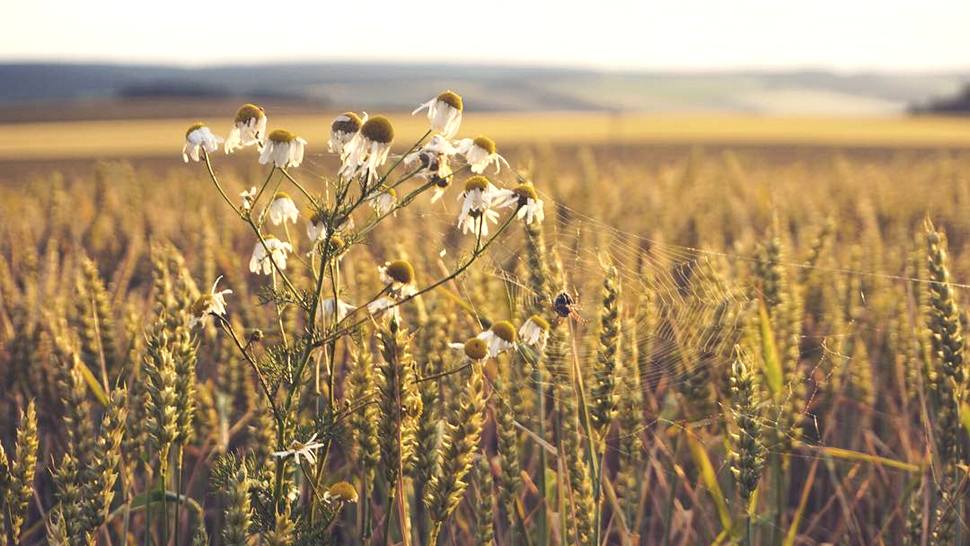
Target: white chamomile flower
384,303
478,203
283,148
260,261
430,157
383,202
325,312
440,145
248,128
399,276
364,154
248,197
444,113
199,138
529,206
317,231
480,152
535,332
475,349
441,179
306,450
316,226
282,209
343,129
500,337
434,159
213,303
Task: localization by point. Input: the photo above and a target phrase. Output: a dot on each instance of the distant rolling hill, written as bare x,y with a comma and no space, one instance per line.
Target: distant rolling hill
29,90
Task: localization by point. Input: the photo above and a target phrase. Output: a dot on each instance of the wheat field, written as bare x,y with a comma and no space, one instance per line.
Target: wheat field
756,341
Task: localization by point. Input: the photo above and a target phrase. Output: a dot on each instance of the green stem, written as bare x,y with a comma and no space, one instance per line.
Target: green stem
776,468
212,175
542,523
388,513
178,491
164,473
669,511
748,529
461,269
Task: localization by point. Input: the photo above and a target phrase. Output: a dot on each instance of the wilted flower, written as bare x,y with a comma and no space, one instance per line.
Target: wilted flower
535,331
525,198
441,179
317,231
213,303
199,138
477,205
248,197
383,202
282,208
368,151
284,149
399,275
316,227
343,129
434,159
306,450
249,128
382,304
260,261
500,337
480,153
325,312
444,113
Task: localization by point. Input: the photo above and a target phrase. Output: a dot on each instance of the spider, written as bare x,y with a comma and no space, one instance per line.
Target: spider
567,306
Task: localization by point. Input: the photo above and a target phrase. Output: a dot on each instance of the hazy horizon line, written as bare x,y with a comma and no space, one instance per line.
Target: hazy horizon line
526,65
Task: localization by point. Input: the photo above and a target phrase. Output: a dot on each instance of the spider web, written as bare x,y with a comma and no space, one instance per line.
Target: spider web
686,286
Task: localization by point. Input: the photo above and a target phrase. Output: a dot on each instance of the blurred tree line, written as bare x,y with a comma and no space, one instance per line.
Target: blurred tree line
957,104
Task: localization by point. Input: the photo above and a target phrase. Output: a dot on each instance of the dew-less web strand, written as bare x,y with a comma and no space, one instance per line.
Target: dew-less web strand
664,344
665,348
663,290
671,350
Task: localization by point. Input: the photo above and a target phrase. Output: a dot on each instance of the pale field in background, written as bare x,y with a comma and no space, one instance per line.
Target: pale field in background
153,138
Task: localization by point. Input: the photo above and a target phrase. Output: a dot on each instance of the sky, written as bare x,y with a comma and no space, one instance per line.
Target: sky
842,35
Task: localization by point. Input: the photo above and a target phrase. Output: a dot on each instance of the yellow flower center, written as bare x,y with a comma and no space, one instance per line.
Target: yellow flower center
485,143
194,127
281,195
337,243
526,191
247,112
476,349
401,271
451,99
378,129
504,330
200,305
281,136
348,122
477,182
317,216
542,323
343,492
